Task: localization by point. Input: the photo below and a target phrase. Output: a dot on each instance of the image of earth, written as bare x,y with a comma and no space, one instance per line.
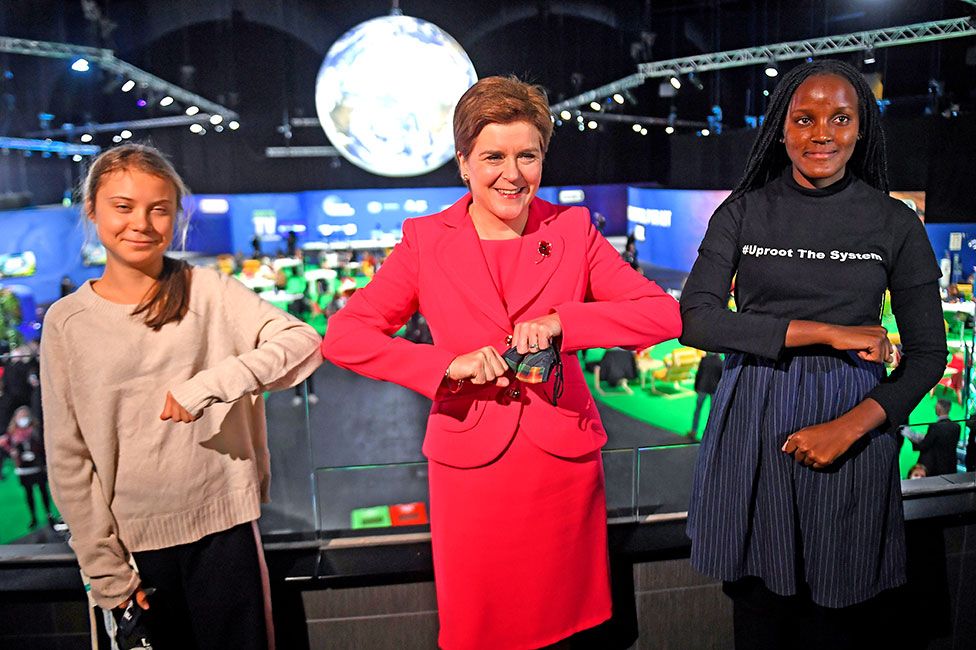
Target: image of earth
386,91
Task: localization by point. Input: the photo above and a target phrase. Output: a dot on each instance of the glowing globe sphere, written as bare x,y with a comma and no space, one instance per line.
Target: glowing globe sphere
386,91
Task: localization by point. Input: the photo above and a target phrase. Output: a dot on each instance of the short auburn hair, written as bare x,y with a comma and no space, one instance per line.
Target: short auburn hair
500,100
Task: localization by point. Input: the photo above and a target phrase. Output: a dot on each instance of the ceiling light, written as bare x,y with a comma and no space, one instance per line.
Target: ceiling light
80,65
87,137
637,128
772,69
166,101
192,110
617,97
126,134
595,106
233,125
565,114
216,119
128,85
669,129
592,124
196,128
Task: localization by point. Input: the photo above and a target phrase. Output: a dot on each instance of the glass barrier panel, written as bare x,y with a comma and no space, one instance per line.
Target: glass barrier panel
664,478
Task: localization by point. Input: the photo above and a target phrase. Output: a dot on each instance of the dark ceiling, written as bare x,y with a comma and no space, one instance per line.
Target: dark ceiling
260,58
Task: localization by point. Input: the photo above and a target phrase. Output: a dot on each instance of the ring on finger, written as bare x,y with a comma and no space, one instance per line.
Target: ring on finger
533,346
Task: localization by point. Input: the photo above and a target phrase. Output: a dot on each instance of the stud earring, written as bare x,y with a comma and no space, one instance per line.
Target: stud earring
464,177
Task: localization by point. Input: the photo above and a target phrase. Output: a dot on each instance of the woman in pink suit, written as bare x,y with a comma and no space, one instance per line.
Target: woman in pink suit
517,505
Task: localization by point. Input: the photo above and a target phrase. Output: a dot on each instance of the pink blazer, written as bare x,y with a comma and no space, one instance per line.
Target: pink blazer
439,270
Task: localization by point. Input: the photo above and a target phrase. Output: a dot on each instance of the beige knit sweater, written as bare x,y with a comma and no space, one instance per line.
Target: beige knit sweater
123,479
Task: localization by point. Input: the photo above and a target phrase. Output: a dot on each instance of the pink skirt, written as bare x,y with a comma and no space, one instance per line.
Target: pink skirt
520,549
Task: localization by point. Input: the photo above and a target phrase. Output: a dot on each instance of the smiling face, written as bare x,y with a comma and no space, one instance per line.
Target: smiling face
134,214
821,129
503,171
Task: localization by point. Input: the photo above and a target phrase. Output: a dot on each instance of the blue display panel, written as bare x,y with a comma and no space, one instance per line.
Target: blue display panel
55,236
339,215
670,224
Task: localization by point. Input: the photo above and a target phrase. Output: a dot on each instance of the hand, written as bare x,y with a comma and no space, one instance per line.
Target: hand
870,341
536,334
482,366
172,410
141,597
820,445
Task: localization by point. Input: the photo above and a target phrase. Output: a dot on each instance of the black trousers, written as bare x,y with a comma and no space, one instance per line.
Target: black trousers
209,593
28,481
763,620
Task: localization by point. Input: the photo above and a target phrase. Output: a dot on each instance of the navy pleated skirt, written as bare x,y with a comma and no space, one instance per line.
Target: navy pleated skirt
838,532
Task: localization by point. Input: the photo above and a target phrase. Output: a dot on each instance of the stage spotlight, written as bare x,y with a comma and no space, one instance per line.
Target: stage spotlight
705,132
196,128
669,129
128,85
565,114
592,124
233,125
765,93
141,102
581,127
116,139
643,131
637,128
216,119
192,110
772,69
695,81
579,118
675,82
76,157
595,106
87,137
869,56
80,65
166,101
617,97
126,134
219,129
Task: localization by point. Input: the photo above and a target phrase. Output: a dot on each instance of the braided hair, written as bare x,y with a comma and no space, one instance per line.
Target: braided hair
768,156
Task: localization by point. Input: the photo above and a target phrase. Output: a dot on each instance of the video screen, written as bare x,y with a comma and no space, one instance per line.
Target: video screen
18,265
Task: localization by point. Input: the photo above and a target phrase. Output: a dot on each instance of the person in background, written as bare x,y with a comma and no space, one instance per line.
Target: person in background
917,471
24,444
67,286
796,504
153,379
706,383
937,447
630,252
517,497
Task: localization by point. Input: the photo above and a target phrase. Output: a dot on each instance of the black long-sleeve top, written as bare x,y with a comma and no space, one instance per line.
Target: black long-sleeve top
824,255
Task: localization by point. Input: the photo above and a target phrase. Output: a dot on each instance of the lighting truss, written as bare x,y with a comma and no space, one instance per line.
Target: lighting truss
107,60
301,152
49,146
640,119
878,38
101,127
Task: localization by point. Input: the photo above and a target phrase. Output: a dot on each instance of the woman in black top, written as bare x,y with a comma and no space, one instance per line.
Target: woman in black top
797,502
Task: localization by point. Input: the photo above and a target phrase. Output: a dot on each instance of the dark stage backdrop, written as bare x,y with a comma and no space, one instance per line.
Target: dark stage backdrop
934,155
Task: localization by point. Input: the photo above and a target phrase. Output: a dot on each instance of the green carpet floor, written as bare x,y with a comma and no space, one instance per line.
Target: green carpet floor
14,516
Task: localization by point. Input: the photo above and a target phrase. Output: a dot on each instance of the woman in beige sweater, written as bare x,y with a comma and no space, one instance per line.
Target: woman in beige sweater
154,418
